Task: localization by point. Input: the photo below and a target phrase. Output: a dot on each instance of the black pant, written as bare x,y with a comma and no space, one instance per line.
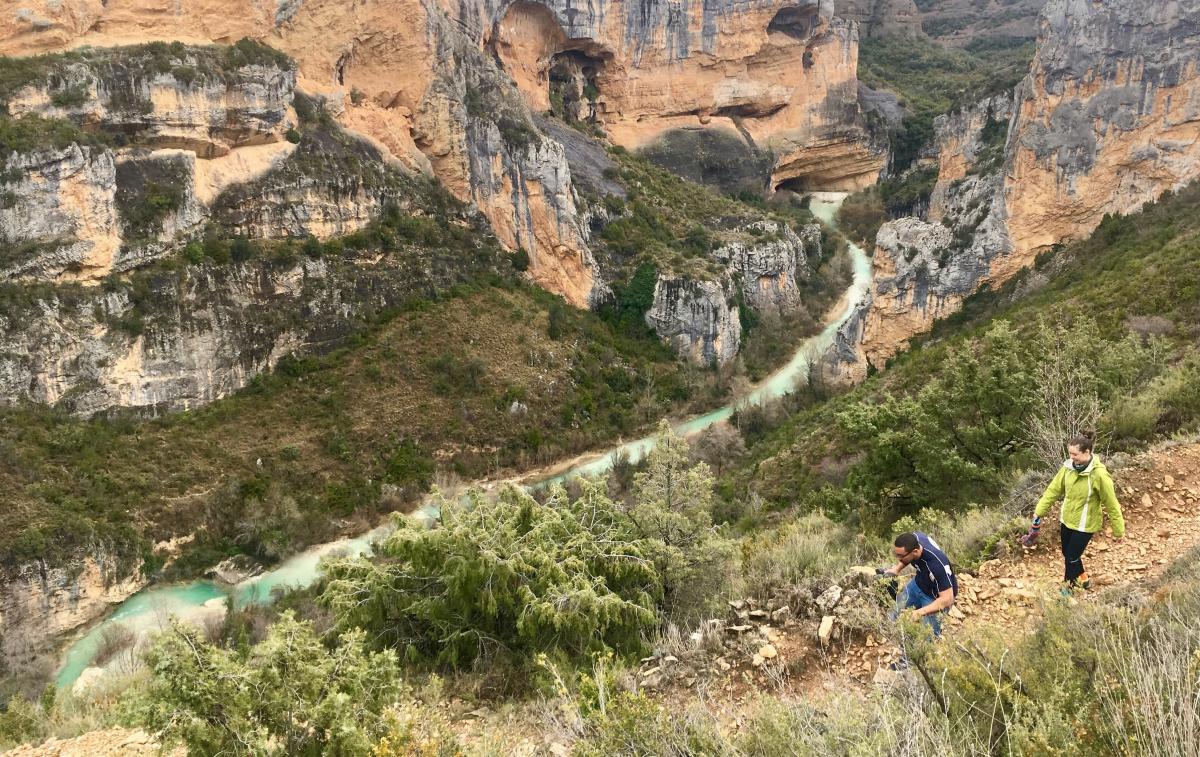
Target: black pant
1073,544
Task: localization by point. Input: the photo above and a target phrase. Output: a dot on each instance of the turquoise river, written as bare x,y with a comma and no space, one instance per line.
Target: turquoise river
150,608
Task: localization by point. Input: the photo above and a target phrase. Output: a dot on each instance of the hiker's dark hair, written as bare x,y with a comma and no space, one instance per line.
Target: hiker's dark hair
907,541
1083,441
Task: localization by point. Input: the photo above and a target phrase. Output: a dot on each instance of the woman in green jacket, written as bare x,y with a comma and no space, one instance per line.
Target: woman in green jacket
1087,494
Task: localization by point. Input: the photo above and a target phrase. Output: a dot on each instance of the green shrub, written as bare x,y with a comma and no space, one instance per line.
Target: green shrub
21,721
947,443
1133,418
29,133
70,97
507,577
144,208
193,252
520,260
249,52
906,194
242,249
454,374
510,578
289,689
812,549
1178,392
410,466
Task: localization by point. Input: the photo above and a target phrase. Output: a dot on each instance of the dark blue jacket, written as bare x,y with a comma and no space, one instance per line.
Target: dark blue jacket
934,574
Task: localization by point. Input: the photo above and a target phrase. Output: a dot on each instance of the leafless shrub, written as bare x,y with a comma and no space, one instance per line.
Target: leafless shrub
1066,405
719,445
1149,325
1157,705
115,638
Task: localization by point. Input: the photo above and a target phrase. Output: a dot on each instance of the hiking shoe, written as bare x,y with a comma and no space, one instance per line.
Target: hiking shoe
1067,591
898,665
1085,582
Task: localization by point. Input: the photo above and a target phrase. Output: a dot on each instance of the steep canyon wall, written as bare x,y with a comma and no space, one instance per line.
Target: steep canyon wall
1107,119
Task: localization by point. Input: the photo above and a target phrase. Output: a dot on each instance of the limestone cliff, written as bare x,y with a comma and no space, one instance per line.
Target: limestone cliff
699,316
922,269
83,211
969,142
1107,119
781,74
920,272
696,319
39,603
448,88
402,73
171,340
770,267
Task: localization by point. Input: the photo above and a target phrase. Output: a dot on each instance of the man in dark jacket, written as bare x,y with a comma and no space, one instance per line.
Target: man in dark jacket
934,587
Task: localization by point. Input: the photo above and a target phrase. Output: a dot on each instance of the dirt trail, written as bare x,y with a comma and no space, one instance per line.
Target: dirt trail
1160,497
1159,493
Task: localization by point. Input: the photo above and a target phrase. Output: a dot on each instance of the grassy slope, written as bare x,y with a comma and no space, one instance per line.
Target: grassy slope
372,425
675,225
1140,272
430,390
932,80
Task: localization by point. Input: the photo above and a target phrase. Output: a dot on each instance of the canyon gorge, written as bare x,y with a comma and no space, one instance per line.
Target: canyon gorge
165,130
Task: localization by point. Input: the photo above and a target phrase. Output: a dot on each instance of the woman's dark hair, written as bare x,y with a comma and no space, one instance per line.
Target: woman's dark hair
1083,441
907,541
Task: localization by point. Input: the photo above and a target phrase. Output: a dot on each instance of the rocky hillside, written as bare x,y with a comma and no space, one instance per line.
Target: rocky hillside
955,22
818,648
446,91
191,199
1104,123
165,144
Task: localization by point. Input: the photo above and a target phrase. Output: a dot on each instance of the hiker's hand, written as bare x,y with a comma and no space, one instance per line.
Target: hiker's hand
916,615
1028,539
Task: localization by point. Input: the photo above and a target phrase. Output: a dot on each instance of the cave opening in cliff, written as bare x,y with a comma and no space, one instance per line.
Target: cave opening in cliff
802,185
797,23
574,85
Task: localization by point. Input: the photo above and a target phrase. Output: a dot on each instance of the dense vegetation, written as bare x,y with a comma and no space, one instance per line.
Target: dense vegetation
669,225
336,434
69,76
504,580
947,424
677,225
933,80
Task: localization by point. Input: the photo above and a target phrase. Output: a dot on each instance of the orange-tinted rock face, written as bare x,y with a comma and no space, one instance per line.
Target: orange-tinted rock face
391,57
780,73
1108,119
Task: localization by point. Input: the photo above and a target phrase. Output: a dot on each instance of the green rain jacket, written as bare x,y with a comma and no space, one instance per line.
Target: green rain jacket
1085,496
